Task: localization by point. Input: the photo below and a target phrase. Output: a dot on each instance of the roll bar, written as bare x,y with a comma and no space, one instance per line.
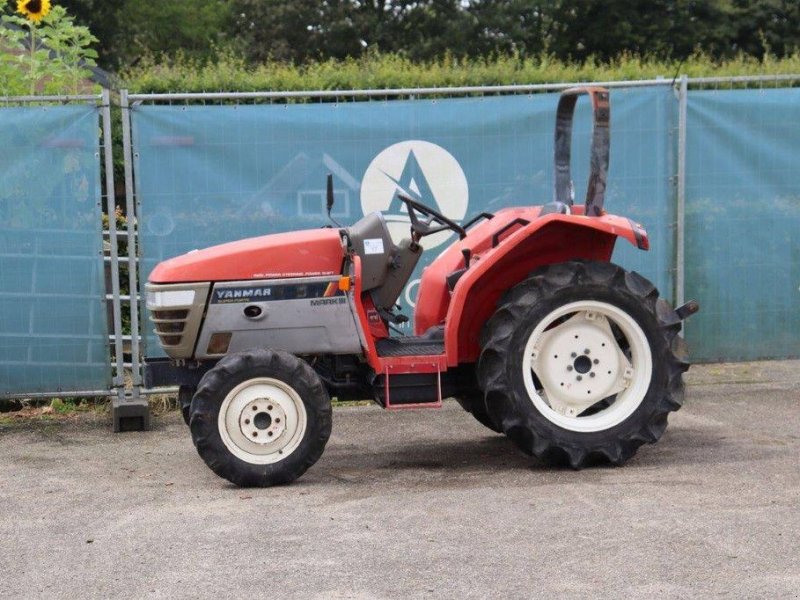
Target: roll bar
598,166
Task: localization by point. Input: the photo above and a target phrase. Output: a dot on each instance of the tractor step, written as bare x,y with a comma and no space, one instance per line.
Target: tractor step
409,346
409,390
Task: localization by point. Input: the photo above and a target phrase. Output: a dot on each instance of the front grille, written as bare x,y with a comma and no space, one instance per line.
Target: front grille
169,325
176,312
171,315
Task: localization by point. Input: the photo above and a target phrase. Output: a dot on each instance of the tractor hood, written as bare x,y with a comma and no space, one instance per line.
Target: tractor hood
294,254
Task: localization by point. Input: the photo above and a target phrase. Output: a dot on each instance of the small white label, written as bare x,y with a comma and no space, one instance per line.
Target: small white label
373,246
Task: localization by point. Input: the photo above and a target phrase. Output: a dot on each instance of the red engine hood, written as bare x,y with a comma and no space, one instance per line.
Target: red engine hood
292,254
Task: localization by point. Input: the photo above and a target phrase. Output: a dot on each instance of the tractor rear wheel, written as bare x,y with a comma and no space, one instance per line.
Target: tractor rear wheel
473,404
579,364
260,418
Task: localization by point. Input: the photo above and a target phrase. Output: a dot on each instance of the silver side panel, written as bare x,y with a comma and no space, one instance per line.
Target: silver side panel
302,316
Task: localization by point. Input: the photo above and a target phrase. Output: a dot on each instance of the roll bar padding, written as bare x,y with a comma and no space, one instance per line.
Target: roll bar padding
598,167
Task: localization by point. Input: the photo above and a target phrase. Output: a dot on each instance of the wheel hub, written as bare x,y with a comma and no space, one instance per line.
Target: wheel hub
262,420
582,364
578,360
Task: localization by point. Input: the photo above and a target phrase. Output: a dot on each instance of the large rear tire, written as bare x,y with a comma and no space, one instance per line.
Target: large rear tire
474,404
579,364
260,418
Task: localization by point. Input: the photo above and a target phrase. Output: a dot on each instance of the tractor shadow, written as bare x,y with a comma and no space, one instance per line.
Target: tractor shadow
460,462
446,458
490,453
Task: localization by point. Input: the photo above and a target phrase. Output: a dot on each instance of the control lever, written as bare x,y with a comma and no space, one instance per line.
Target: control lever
467,254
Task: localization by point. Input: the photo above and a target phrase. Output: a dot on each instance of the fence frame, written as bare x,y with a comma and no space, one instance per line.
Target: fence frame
681,85
680,195
133,400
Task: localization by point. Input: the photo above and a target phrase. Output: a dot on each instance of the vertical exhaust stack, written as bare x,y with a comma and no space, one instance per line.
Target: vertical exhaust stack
598,166
329,200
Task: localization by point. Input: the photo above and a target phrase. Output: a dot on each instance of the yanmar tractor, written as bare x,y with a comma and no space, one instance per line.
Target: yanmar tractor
523,319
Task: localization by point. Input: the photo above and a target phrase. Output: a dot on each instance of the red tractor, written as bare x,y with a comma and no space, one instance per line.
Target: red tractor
523,319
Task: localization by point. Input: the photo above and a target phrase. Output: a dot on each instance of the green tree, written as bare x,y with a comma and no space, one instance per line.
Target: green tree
310,30
129,29
193,27
766,26
605,29
300,30
102,17
518,27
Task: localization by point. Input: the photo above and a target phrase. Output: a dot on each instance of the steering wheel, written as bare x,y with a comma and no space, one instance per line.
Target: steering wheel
434,221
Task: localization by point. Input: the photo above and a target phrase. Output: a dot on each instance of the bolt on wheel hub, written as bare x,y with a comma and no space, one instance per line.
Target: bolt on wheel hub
262,420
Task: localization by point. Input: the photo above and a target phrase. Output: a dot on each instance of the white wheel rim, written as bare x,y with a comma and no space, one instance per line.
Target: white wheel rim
572,380
262,420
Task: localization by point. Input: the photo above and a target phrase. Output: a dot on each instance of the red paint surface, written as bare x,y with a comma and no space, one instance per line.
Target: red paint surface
294,254
546,240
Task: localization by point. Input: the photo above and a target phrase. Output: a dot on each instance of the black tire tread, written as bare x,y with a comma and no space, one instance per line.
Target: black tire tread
185,395
473,404
496,347
238,367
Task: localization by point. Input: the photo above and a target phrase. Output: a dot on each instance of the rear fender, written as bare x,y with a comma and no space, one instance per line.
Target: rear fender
547,240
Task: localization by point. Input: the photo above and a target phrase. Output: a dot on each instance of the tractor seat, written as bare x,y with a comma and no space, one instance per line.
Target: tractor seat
386,267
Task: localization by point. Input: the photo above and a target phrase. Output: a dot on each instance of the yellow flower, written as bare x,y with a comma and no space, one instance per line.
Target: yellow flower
33,10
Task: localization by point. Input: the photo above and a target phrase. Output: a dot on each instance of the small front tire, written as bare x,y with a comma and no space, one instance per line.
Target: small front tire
260,418
185,395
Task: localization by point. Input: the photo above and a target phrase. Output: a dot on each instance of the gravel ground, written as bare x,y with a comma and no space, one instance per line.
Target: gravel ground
417,504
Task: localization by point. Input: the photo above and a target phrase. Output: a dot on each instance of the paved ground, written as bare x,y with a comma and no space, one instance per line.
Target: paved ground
422,504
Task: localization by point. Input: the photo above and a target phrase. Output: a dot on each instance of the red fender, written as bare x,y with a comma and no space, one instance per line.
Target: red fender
522,248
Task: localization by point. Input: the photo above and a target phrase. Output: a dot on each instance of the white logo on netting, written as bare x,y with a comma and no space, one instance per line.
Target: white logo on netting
423,171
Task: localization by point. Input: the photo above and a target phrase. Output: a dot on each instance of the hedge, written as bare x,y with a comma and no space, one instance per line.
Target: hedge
230,73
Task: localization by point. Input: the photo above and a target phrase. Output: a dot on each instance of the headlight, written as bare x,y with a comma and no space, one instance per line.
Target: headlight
169,298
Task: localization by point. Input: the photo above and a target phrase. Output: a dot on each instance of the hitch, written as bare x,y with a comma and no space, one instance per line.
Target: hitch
687,310
681,313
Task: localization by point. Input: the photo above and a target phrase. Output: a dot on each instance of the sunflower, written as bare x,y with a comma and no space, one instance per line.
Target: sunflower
33,10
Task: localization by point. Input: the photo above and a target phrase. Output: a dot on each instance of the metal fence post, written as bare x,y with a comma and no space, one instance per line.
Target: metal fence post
680,229
105,111
130,412
133,253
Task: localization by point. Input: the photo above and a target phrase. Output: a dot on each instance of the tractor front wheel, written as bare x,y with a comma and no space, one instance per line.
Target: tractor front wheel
185,395
579,364
260,418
